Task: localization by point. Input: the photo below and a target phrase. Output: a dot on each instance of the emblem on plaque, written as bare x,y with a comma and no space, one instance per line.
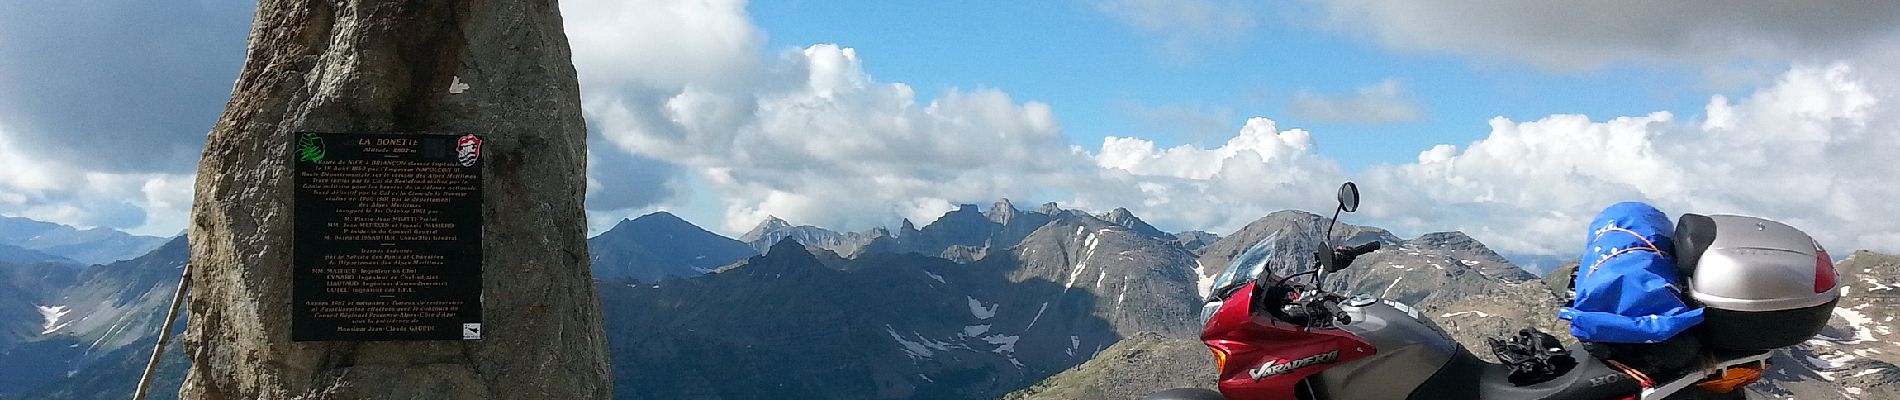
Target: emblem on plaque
468,149
310,147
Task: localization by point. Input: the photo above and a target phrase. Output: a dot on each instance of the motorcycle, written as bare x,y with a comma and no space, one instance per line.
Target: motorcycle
1276,339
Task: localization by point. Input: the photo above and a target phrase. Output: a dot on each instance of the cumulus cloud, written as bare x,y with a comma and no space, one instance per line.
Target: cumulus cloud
827,138
1584,35
1385,102
661,43
1260,170
1811,149
636,61
805,134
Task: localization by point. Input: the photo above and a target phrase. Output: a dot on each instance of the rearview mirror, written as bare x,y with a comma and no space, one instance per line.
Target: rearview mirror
1349,197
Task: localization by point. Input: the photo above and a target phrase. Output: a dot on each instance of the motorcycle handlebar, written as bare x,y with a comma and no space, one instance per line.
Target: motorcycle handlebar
1343,257
1329,306
1360,250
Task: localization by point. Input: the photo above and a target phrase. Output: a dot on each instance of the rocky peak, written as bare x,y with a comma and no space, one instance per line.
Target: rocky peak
1471,252
658,245
770,224
1002,212
906,229
788,248
1449,240
1194,240
658,219
1121,216
1049,208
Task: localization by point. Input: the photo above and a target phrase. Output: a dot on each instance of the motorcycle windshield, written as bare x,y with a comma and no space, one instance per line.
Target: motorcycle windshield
1245,268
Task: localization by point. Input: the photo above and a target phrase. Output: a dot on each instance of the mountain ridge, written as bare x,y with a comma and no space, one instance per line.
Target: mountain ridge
96,245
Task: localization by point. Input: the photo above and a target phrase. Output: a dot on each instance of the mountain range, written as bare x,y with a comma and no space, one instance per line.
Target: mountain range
85,332
25,240
981,303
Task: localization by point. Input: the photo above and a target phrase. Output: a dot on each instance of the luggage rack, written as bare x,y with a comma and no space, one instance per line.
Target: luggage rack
1758,361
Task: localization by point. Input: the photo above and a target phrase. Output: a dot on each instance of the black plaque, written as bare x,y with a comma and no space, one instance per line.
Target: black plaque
387,243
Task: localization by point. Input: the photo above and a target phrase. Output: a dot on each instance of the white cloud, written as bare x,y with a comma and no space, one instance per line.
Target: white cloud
1261,170
826,143
1812,149
1585,35
661,43
49,189
1385,102
807,135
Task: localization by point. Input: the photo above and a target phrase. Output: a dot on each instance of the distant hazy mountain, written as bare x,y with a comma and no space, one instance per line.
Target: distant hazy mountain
87,246
773,230
20,255
965,234
660,245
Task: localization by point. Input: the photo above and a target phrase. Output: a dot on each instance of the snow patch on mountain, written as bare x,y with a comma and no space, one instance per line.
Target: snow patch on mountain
1123,295
975,330
53,314
1207,280
1039,310
1004,343
1858,322
977,309
1388,288
916,350
1091,241
939,278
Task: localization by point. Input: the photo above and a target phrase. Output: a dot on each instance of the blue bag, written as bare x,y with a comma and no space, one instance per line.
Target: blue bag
1627,287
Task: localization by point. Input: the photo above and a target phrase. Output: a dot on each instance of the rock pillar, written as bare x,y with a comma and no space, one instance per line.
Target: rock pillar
499,69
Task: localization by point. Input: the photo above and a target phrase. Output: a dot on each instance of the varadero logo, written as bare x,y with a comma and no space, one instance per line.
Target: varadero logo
1277,367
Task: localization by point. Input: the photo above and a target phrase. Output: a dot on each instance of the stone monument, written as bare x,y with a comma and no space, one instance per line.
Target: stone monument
395,76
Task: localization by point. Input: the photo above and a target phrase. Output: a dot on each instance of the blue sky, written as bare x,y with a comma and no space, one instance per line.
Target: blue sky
1512,121
1099,73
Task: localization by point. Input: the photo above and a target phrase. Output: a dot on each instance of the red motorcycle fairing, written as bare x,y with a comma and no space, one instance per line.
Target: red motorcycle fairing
1293,352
